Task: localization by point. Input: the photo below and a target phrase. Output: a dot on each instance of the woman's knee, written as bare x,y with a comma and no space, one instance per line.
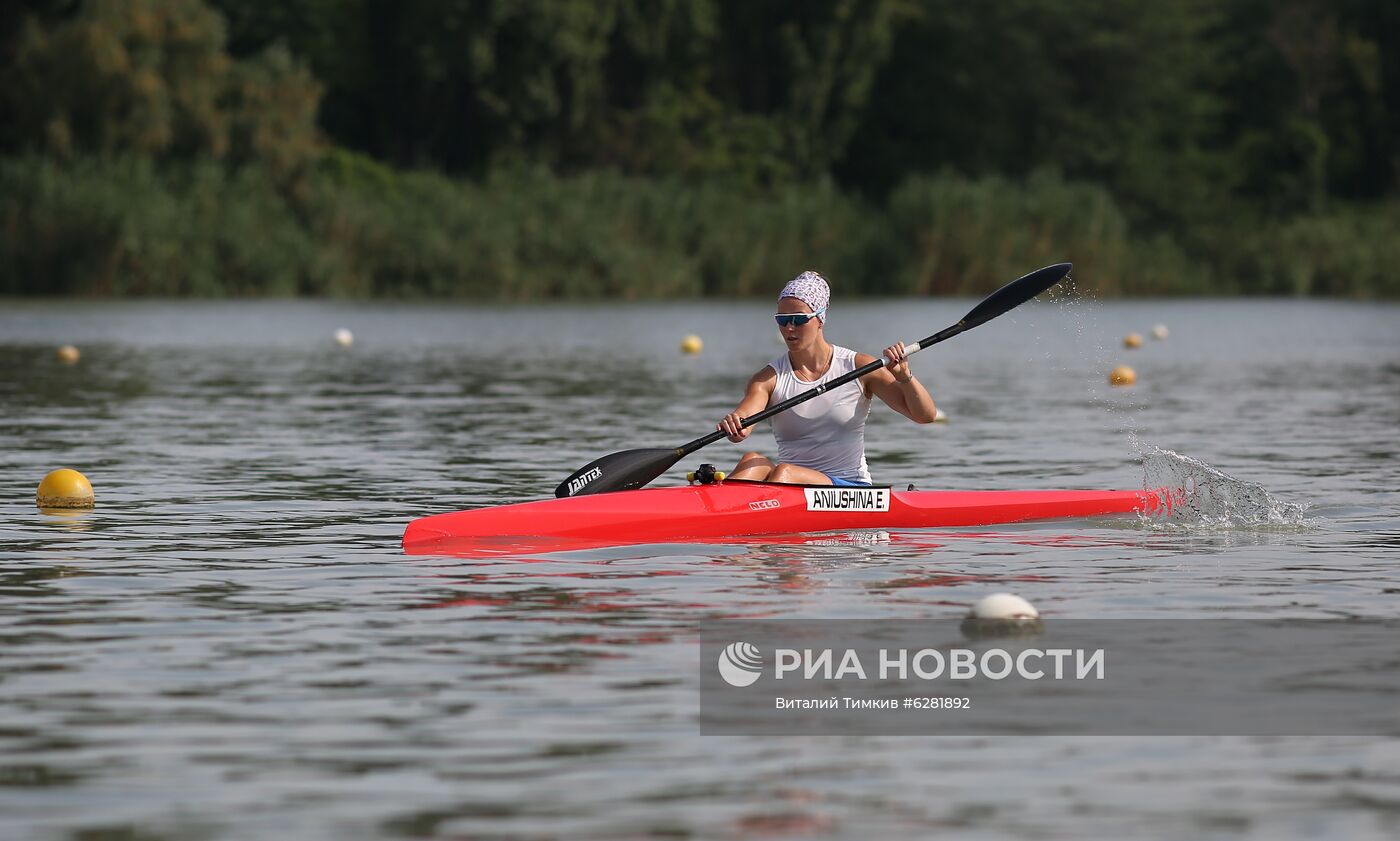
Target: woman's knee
797,475
753,466
782,473
752,462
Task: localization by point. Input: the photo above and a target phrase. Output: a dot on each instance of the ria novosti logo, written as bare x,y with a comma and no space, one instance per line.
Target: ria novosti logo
740,664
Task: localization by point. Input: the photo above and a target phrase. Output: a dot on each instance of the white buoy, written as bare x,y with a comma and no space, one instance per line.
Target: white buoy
344,337
1002,615
1160,332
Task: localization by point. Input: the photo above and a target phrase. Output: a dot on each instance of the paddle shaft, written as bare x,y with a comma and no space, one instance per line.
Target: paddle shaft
875,365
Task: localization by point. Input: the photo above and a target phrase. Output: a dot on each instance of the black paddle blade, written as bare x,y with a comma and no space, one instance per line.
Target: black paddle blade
618,472
1015,293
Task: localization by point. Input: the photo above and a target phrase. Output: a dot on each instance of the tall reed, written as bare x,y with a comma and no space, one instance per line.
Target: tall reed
126,227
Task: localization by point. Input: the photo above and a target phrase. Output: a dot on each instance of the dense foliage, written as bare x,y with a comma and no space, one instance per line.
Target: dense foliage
527,148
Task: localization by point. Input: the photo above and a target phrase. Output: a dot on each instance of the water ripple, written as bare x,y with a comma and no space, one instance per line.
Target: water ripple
232,644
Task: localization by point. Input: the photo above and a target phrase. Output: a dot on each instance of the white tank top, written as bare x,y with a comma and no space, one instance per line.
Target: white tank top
827,433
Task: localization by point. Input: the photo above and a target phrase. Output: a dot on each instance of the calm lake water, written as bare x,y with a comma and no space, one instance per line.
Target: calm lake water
232,644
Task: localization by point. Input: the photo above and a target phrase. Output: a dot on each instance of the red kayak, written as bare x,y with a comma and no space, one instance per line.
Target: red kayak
738,508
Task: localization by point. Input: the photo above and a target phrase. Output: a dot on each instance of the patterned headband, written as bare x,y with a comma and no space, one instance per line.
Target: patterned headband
811,289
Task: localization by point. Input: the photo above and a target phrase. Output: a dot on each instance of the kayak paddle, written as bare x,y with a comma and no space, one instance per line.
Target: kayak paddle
631,469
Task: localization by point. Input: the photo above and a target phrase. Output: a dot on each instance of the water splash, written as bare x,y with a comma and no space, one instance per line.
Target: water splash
1203,497
1120,406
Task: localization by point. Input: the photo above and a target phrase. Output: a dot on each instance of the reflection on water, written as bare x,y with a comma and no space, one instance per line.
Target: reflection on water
232,645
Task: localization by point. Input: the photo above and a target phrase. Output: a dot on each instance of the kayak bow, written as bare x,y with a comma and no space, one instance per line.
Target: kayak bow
738,508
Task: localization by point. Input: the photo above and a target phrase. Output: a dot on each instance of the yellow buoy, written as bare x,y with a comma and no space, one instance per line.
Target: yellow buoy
1132,340
1159,332
64,488
1122,375
68,354
691,344
344,337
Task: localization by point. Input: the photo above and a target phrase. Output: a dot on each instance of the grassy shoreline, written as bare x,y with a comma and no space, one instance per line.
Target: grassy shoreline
354,228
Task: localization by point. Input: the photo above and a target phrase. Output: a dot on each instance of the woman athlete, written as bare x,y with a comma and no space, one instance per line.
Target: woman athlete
822,441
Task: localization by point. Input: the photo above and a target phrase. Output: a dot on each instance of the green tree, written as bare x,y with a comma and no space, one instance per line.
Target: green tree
151,78
832,62
1112,91
1312,88
141,76
757,92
